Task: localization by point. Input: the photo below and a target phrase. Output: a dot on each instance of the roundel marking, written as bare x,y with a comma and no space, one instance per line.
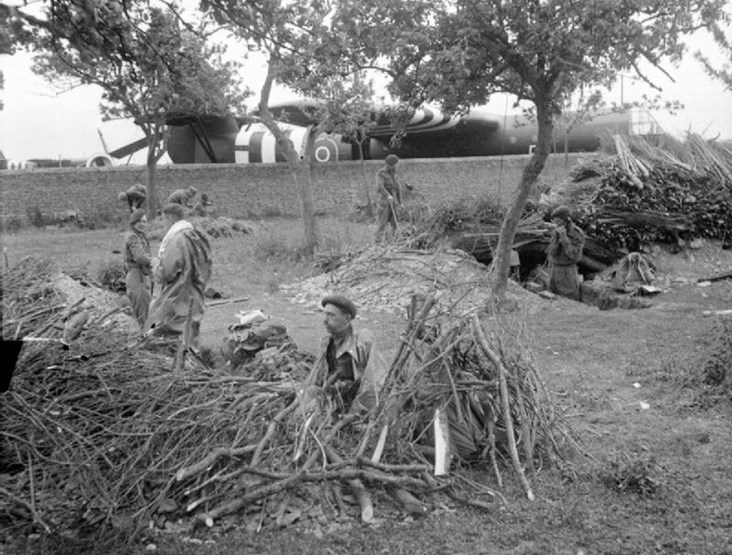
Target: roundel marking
322,154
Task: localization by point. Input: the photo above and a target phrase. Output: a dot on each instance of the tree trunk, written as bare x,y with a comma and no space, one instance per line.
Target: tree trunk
500,268
152,197
369,205
300,170
305,188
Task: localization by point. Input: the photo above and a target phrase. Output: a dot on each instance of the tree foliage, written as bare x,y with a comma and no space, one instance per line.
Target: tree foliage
460,52
290,35
722,73
151,64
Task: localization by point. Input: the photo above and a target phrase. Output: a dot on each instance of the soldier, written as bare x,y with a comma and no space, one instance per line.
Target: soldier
182,269
390,196
184,197
349,367
564,252
138,266
135,196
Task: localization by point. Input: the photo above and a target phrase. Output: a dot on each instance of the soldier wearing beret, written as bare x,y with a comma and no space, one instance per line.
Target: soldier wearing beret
563,253
390,196
138,266
349,367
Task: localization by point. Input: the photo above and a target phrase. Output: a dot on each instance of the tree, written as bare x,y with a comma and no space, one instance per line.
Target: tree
291,35
150,64
346,107
723,73
459,52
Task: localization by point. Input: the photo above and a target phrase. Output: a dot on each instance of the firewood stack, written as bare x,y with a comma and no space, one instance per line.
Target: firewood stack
105,435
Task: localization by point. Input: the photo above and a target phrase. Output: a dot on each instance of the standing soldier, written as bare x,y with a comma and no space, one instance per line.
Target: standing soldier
564,252
138,266
390,196
182,269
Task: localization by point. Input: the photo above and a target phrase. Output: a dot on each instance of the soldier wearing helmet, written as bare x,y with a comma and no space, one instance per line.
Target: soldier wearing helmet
390,196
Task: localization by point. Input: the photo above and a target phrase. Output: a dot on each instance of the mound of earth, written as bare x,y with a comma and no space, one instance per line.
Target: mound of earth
384,279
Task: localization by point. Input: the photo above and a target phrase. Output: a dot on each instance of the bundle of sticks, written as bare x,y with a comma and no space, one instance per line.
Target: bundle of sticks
106,434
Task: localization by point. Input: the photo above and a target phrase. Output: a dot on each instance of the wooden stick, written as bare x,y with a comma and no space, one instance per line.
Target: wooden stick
408,502
362,494
227,301
492,452
379,450
271,429
526,429
506,406
180,356
210,459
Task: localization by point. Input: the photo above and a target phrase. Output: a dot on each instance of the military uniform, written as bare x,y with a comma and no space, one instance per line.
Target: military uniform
356,364
563,253
390,194
183,269
136,196
138,266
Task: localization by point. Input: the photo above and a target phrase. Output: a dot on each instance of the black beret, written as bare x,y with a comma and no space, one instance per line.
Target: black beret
342,303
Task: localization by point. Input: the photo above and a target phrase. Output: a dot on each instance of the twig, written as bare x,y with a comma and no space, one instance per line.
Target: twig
506,407
30,508
227,301
209,461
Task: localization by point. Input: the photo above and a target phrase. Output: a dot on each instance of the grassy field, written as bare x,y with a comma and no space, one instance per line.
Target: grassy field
653,474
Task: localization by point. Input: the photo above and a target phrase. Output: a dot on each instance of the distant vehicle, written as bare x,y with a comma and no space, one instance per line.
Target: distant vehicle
429,134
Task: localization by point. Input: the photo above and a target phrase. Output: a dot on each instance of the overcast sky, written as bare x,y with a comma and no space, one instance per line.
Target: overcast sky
37,123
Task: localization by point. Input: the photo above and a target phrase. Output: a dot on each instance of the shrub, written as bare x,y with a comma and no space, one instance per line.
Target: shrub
112,276
102,218
35,216
635,473
10,223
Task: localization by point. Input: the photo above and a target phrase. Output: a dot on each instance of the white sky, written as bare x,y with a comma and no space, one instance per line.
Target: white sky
37,123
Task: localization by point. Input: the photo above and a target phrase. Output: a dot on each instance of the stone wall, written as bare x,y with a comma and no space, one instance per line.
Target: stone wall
243,191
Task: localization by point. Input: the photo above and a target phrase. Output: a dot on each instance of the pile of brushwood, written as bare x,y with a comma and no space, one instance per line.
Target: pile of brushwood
634,194
671,192
108,436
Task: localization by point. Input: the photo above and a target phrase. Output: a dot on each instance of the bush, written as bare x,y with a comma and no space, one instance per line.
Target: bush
10,223
102,218
637,473
112,276
35,216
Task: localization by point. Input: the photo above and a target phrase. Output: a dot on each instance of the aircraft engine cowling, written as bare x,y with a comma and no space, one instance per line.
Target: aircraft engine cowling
99,161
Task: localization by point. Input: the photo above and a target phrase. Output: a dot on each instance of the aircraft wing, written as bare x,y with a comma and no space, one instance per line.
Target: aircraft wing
129,148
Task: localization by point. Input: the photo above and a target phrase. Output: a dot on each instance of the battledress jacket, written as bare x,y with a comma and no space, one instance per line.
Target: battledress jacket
183,268
563,254
367,366
388,185
138,269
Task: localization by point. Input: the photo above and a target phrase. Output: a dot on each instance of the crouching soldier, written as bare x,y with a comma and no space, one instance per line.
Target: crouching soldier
350,370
